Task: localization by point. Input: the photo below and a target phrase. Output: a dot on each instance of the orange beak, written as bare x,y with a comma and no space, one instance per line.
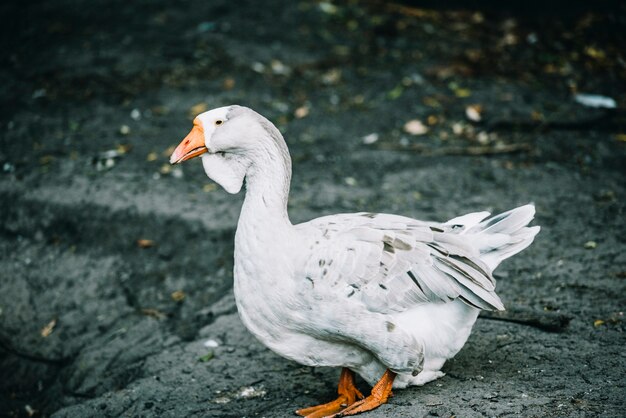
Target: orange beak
191,146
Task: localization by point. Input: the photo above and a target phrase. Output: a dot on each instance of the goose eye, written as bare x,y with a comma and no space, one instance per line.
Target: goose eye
219,122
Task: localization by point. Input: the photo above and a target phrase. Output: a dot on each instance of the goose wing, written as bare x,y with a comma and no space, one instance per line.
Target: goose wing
392,263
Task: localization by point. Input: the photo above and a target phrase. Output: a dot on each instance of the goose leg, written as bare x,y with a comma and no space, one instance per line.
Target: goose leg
380,393
348,394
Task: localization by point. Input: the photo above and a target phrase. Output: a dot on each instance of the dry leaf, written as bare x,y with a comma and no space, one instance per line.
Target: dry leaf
301,112
431,102
123,148
169,151
332,76
145,243
46,159
155,313
47,330
209,187
474,112
415,127
160,110
165,169
461,93
228,83
198,108
178,295
598,322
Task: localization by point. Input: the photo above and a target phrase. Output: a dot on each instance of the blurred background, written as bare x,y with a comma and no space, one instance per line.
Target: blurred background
116,268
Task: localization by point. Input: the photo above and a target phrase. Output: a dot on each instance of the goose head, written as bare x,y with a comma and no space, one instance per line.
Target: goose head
232,141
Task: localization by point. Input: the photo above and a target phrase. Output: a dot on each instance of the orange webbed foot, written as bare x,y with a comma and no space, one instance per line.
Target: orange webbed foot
348,395
380,393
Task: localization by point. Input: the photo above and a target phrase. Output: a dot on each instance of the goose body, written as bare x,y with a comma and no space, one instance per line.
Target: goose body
377,294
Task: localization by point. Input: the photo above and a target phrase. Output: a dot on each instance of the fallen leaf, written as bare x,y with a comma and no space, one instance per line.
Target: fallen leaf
160,110
169,150
332,76
123,148
301,112
432,120
228,83
47,330
595,53
598,322
46,159
431,102
415,127
474,112
198,108
207,357
278,67
165,169
536,116
395,92
178,296
209,187
461,93
155,313
145,243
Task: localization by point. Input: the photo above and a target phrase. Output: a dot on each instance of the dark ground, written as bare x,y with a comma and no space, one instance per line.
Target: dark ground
94,322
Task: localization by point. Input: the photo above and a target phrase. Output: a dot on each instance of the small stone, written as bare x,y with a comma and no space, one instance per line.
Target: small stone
370,139
258,67
491,395
211,344
124,129
279,68
590,245
415,127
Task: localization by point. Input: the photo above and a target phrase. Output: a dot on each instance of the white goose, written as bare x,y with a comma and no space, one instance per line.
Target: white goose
388,297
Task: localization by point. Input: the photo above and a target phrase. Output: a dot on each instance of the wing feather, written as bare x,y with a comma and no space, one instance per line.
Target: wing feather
392,263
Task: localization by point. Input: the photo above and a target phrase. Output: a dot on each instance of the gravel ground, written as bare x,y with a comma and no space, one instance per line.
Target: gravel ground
116,289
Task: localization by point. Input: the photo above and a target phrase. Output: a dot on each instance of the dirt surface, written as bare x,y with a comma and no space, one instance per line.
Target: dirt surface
116,282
